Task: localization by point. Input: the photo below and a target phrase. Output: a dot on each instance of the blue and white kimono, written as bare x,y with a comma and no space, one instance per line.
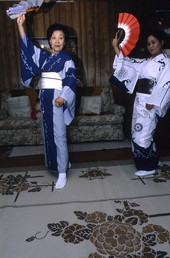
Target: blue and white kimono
58,80
127,72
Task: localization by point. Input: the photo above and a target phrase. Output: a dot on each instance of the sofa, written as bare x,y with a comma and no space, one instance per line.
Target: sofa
97,117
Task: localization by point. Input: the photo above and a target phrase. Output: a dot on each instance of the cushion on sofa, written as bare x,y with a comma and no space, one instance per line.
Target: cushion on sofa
19,123
90,105
21,136
4,95
19,107
82,91
97,119
102,132
107,100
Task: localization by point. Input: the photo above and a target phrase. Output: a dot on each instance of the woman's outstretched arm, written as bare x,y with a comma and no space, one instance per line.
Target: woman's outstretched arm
20,23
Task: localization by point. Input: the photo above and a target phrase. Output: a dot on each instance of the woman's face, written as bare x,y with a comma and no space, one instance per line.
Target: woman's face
57,41
154,46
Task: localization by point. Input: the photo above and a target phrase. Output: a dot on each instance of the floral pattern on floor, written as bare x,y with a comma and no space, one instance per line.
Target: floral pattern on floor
11,184
94,173
15,184
164,174
27,182
127,234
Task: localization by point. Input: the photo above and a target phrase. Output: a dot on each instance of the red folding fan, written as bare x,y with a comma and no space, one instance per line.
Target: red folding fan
128,32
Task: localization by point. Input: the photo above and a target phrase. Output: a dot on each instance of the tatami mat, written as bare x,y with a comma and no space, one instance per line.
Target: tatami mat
63,231
102,212
83,185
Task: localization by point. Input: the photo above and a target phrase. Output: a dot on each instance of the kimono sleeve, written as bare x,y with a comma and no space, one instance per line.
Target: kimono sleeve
160,96
127,71
69,83
31,58
68,92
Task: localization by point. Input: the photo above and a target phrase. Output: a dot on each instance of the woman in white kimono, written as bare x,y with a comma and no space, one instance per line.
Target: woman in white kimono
57,93
151,77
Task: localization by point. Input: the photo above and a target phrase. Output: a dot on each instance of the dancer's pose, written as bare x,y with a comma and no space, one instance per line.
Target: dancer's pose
151,76
57,93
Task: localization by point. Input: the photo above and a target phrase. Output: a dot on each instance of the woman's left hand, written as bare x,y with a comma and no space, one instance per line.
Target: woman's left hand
59,102
149,106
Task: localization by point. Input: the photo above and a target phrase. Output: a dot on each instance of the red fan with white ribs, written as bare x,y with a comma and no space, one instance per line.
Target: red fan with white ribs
128,32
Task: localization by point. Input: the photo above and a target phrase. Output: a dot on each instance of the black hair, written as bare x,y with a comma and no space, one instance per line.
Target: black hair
157,33
57,26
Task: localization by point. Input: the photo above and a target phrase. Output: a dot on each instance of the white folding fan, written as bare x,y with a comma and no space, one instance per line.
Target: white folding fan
23,7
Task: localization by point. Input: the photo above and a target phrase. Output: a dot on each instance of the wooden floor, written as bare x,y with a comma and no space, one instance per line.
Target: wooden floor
75,157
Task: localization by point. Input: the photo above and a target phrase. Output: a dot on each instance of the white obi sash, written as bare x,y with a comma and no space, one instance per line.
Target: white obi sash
51,80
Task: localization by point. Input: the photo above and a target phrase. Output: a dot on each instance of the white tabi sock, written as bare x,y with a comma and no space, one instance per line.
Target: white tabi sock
145,173
61,182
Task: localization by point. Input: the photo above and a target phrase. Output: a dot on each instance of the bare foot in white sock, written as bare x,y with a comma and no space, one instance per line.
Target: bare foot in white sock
145,173
61,182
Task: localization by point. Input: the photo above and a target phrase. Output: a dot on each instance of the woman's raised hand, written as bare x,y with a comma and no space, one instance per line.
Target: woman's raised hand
21,19
115,40
115,44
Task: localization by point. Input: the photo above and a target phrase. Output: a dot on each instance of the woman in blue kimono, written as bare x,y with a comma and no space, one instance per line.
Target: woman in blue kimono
151,77
57,93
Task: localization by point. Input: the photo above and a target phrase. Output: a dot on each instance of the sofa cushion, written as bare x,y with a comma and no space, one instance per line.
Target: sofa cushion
96,132
19,107
106,94
82,91
90,105
107,100
97,119
19,123
20,136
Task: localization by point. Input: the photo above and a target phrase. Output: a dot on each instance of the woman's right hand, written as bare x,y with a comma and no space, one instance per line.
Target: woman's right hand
21,19
115,41
115,44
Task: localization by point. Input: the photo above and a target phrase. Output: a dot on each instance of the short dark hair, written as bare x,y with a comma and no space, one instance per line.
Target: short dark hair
157,33
57,26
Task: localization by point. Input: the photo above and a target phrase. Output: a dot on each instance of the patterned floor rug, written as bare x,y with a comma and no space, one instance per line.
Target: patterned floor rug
103,212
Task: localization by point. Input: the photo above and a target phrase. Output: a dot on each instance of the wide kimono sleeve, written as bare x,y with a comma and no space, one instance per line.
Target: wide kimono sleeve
31,58
126,72
69,91
160,96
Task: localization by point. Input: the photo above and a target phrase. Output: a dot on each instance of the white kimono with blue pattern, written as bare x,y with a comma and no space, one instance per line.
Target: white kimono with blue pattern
35,61
144,121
